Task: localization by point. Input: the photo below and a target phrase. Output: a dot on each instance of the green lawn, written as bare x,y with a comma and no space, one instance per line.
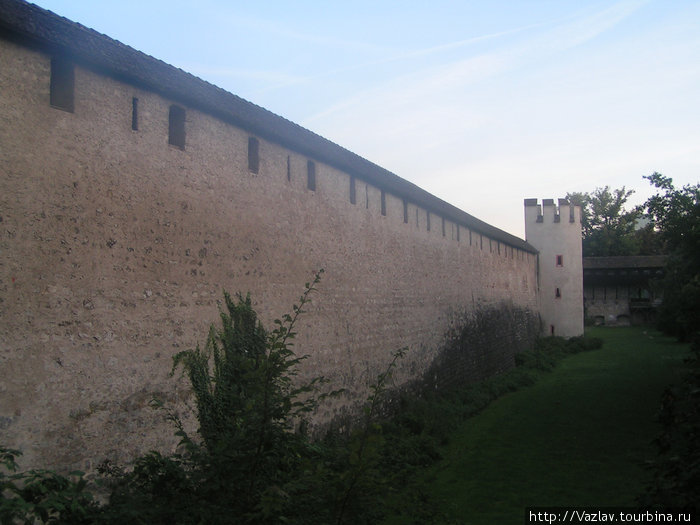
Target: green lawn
578,437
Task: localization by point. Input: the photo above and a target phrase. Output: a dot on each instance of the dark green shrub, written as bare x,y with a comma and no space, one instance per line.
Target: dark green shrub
549,350
584,344
247,462
43,496
676,469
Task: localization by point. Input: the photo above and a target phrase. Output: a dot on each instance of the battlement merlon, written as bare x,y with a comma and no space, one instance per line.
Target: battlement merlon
533,211
549,212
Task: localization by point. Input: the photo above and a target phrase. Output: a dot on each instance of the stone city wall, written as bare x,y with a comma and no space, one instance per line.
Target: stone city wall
115,248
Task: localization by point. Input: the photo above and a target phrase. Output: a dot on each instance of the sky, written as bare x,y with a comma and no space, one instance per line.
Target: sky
481,103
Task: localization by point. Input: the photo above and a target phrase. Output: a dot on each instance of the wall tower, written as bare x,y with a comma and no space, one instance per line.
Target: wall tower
556,233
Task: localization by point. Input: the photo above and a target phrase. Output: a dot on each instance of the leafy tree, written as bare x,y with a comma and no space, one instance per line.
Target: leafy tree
608,229
675,214
649,241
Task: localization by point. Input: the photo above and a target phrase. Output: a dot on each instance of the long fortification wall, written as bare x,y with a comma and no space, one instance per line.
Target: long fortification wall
115,247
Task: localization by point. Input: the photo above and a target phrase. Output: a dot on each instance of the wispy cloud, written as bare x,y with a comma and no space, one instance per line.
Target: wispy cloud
430,84
275,81
448,111
590,25
532,41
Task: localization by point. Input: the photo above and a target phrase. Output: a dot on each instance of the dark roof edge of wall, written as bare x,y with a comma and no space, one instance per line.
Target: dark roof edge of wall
625,261
46,30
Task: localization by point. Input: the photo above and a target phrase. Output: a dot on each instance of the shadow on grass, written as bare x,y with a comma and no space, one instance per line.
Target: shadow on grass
579,435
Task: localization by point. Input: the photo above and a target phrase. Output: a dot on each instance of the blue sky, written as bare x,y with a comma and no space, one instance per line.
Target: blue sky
482,103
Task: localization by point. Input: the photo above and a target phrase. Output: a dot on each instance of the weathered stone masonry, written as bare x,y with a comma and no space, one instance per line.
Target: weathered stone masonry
115,245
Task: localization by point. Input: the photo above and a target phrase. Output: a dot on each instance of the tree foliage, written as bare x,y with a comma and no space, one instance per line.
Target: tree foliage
42,496
608,228
249,460
676,469
675,214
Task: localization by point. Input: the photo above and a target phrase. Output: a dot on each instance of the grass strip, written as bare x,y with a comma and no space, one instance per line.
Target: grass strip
579,436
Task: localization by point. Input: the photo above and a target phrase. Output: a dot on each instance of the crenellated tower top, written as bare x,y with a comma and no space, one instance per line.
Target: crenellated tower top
549,212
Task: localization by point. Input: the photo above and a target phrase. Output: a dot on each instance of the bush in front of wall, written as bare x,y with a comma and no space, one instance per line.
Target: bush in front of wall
42,496
251,462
